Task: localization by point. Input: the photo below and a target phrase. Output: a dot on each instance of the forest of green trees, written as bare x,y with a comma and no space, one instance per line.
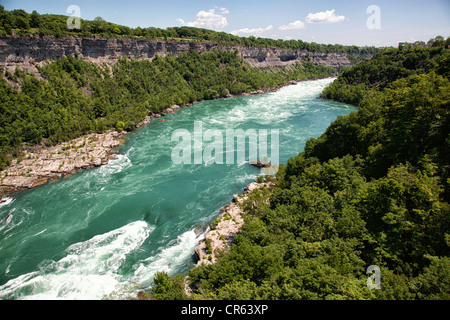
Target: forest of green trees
387,66
21,23
73,97
372,190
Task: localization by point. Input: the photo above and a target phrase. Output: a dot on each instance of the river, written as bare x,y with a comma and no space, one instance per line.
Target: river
105,232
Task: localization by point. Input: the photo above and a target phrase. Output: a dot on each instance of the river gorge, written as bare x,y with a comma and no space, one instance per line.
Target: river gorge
105,232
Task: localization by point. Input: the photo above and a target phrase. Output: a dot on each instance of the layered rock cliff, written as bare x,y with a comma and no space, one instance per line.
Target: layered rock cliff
22,50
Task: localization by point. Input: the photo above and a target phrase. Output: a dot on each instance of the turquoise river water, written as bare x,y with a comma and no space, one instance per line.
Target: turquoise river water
108,230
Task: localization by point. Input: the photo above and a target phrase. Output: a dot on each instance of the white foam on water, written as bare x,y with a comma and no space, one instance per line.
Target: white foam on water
168,259
247,177
6,201
88,271
236,115
116,165
41,232
278,106
215,121
9,221
5,221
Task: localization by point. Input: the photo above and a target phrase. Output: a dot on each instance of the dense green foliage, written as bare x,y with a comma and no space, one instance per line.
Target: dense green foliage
387,66
70,97
21,23
372,190
166,288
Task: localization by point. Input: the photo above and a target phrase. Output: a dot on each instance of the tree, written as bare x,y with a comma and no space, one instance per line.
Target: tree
98,25
21,23
6,20
120,125
35,19
438,41
166,288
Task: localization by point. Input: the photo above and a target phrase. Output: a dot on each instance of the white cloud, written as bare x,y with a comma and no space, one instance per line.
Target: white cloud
292,26
224,10
208,19
324,17
251,31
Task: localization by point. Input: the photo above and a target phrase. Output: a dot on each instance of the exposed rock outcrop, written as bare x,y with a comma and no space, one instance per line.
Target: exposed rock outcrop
28,49
260,164
41,165
225,227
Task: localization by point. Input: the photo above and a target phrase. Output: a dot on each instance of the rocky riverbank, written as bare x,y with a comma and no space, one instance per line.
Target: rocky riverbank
220,235
40,165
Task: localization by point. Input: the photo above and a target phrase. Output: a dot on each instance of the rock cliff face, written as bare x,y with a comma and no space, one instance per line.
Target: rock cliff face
23,50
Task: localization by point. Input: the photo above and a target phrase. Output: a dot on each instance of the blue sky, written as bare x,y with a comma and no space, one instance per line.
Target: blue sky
344,21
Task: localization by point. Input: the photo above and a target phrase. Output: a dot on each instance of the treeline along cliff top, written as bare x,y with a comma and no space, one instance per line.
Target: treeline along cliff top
21,23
